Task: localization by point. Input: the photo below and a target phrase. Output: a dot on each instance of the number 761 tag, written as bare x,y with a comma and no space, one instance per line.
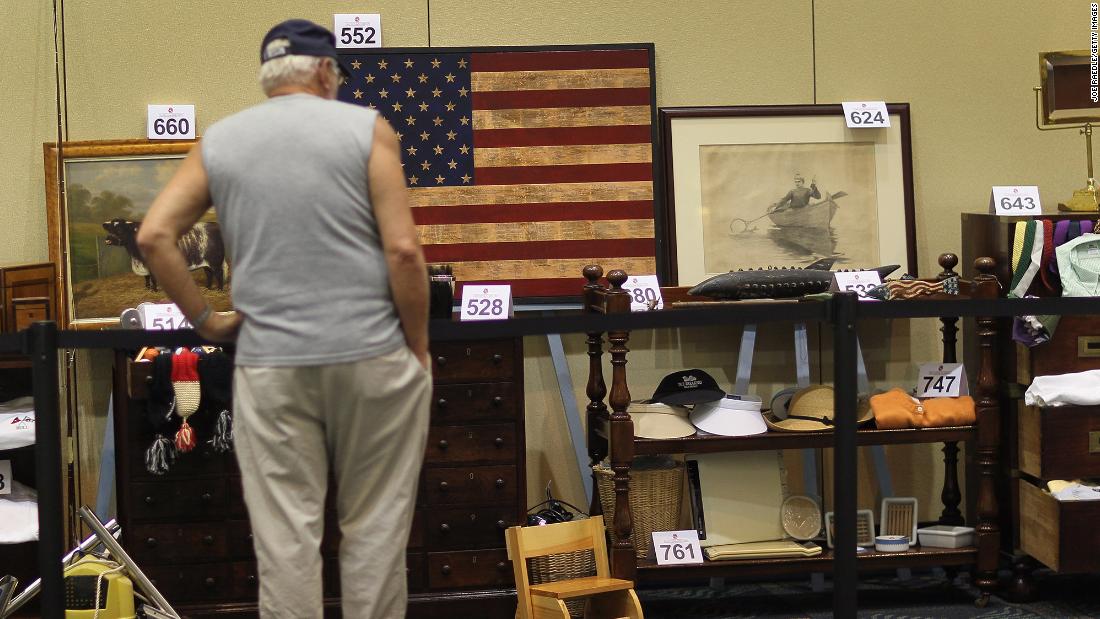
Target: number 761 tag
677,547
486,302
942,380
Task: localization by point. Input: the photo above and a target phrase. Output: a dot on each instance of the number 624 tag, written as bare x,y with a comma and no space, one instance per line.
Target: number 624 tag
941,380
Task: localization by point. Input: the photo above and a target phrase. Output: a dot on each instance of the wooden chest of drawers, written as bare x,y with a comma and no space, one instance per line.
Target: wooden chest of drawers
189,528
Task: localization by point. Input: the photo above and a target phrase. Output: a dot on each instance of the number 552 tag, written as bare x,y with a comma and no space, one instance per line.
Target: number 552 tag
942,380
485,302
677,547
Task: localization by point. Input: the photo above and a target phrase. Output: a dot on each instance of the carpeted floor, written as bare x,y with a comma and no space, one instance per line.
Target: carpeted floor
924,596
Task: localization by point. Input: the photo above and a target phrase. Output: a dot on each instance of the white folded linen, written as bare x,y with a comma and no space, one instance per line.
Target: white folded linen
1075,389
17,423
19,515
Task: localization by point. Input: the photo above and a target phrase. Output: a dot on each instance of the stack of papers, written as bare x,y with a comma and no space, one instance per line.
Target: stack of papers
1076,490
763,550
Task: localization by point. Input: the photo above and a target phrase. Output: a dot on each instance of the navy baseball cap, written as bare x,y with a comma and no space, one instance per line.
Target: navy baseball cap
304,38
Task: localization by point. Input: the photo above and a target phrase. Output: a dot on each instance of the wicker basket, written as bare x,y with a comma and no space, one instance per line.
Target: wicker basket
655,496
564,566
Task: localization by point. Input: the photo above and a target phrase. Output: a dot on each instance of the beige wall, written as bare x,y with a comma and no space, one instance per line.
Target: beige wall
967,68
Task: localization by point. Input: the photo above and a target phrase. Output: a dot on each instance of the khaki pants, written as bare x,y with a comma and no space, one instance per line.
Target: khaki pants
369,420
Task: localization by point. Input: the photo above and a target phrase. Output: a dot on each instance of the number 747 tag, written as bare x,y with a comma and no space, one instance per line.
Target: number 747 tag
941,380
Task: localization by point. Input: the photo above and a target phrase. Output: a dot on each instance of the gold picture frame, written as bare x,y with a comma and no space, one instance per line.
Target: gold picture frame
88,184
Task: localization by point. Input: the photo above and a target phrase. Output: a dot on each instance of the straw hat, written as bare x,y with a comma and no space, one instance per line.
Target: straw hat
655,420
811,410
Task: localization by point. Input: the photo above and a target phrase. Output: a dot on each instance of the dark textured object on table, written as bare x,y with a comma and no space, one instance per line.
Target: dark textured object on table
774,282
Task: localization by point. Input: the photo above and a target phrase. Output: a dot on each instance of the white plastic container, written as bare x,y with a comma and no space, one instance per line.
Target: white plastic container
944,536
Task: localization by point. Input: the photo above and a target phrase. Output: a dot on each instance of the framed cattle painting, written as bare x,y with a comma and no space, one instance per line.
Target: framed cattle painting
97,194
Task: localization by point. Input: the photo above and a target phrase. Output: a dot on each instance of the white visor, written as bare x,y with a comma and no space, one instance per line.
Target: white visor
731,416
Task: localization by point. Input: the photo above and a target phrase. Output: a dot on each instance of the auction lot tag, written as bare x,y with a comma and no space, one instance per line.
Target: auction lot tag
485,302
1015,200
866,114
162,317
941,380
171,122
677,547
5,476
645,293
858,282
357,30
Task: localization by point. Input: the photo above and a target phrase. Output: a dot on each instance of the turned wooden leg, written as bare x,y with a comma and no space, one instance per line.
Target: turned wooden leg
1022,587
951,496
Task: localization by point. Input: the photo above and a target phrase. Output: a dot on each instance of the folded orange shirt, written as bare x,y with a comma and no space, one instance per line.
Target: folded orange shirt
896,410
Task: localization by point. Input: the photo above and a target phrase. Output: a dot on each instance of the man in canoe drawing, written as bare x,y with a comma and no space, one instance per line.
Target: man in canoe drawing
798,197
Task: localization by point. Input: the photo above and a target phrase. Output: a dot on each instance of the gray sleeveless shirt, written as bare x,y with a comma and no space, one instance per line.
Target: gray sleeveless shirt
288,179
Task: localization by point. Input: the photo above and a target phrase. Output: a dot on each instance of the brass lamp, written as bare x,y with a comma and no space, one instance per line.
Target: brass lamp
1064,101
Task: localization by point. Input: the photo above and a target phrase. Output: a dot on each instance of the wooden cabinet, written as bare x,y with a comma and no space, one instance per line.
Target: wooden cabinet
189,528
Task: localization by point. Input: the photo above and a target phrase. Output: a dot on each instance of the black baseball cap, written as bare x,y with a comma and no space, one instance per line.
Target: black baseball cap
688,387
304,38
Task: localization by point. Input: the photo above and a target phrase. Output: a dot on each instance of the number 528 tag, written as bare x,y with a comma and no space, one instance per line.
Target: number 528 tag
677,547
942,380
486,302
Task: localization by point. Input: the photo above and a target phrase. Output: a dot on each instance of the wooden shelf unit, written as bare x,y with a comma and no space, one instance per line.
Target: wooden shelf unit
611,433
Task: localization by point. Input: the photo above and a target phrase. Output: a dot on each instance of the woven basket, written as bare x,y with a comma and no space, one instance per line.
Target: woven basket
655,496
564,566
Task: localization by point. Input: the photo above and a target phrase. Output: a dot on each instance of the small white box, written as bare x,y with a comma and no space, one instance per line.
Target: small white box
944,536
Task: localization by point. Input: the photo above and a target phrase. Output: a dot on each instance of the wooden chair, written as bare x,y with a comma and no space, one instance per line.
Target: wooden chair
606,597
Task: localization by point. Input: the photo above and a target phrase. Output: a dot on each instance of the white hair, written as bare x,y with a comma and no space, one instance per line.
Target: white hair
288,70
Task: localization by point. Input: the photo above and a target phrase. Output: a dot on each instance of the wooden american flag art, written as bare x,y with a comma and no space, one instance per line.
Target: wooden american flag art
523,164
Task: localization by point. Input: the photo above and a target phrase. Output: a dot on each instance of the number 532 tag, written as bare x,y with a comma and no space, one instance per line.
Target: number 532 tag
858,282
942,380
486,302
677,547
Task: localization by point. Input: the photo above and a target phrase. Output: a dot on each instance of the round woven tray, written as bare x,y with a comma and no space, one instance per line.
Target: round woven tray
655,496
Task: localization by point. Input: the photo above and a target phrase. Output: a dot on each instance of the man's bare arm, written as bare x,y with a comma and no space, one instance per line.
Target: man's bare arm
404,258
178,207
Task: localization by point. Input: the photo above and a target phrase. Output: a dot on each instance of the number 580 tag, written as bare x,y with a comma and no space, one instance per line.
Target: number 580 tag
486,302
677,547
645,293
942,380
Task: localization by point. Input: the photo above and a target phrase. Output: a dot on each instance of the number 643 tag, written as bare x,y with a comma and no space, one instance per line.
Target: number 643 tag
942,380
486,302
677,547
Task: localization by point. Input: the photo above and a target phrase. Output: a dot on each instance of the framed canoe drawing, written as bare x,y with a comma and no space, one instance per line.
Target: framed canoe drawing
756,186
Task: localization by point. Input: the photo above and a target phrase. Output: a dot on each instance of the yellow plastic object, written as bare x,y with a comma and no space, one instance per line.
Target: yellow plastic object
116,591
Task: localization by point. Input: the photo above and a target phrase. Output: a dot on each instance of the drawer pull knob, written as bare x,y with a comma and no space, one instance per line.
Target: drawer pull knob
499,482
443,444
149,379
208,539
445,528
441,360
150,500
498,358
151,542
498,441
443,485
209,582
441,403
501,524
251,580
502,566
206,497
446,569
497,401
249,538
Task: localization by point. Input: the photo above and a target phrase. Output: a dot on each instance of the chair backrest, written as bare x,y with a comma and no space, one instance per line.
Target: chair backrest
528,542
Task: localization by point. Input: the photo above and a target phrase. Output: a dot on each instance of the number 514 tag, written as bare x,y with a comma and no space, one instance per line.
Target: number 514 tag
942,380
677,547
486,302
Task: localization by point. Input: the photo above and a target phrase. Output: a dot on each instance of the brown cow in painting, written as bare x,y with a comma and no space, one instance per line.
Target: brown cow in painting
202,248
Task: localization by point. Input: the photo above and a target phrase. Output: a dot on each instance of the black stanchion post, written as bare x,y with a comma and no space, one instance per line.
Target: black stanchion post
42,349
845,573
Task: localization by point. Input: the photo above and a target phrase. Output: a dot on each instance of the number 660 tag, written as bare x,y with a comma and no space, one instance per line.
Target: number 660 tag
486,302
941,380
677,547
